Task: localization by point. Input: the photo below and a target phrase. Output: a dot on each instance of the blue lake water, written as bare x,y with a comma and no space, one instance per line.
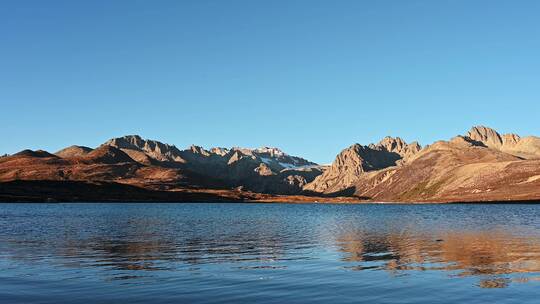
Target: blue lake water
269,253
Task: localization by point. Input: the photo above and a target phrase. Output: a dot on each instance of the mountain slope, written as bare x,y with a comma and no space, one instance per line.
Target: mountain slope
262,170
73,151
354,161
465,168
482,165
152,164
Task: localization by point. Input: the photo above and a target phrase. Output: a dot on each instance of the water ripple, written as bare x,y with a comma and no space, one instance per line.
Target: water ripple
245,253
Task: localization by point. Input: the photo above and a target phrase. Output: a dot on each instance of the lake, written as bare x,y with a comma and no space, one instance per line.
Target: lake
269,253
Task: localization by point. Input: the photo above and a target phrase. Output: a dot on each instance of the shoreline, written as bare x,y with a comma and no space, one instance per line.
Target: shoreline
21,191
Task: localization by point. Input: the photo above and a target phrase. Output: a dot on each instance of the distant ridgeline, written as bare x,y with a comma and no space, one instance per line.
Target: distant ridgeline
482,165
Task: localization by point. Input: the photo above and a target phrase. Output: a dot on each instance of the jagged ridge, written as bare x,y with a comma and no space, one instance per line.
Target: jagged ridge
354,161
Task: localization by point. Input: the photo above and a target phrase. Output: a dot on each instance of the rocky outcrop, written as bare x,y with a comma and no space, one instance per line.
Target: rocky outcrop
354,161
398,146
219,151
487,136
343,173
527,147
153,149
263,170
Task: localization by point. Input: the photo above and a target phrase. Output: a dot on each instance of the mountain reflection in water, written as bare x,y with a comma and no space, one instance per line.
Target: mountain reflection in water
466,253
345,245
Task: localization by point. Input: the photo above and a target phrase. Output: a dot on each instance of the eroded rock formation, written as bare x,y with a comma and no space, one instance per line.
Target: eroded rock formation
356,160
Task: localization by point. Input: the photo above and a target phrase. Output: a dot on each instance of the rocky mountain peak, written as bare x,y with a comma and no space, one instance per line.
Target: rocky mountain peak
272,151
349,165
236,156
343,172
398,146
357,159
152,148
524,147
199,150
350,155
127,141
244,151
219,151
487,136
392,142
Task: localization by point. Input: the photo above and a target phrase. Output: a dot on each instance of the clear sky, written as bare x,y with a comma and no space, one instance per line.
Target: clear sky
311,77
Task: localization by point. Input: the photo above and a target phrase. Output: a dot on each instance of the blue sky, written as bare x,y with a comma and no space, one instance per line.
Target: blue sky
311,77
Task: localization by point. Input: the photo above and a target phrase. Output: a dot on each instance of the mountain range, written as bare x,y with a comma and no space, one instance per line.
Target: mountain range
479,166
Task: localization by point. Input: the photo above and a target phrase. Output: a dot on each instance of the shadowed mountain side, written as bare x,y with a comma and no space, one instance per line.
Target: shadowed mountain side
80,191
351,192
260,170
30,153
